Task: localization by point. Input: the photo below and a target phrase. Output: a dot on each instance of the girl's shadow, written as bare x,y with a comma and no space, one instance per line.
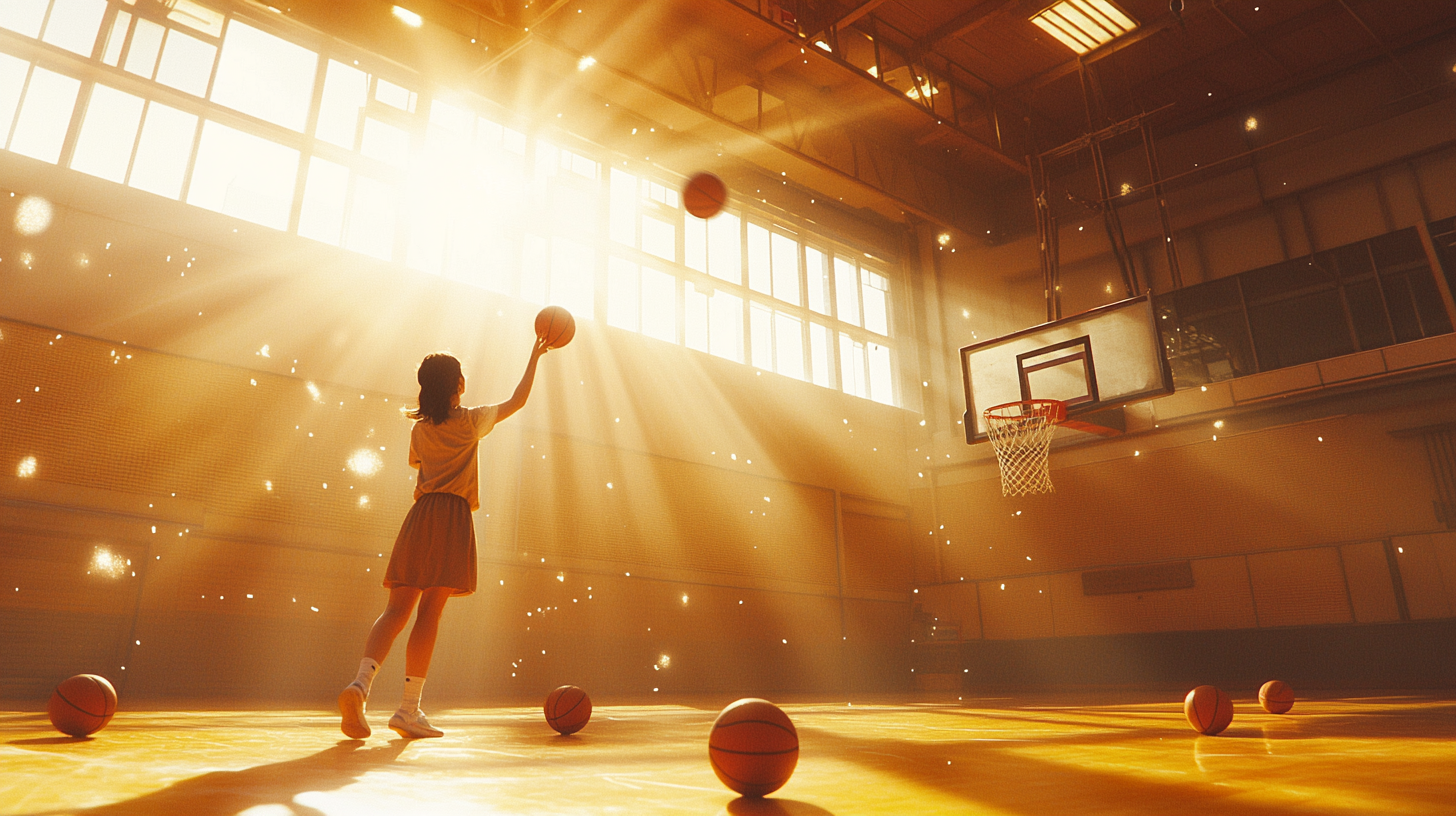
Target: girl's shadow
225,793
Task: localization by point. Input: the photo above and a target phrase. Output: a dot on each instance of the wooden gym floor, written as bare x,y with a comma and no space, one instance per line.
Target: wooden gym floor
1065,754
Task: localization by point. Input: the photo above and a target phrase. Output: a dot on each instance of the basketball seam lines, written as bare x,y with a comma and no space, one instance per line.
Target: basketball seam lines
78,708
753,753
760,722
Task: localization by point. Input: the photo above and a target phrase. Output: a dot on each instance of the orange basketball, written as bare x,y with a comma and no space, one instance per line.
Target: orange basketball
753,747
568,709
1276,697
556,326
1209,710
82,705
704,195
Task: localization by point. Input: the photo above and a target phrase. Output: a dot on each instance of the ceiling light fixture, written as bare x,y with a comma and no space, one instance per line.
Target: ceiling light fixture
1082,25
408,17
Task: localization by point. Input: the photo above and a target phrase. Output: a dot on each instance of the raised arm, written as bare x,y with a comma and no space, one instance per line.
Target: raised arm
523,390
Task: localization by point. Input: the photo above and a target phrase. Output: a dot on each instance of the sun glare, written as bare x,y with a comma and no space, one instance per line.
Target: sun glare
32,215
365,462
105,562
27,468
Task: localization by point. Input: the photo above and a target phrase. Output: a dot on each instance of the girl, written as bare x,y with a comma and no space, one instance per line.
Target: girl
434,555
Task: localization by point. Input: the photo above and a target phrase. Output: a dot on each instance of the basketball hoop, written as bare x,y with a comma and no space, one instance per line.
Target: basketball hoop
1022,432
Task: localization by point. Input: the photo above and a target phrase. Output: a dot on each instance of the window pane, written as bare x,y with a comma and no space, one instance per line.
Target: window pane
12,81
22,17
623,300
695,318
372,218
386,143
108,134
146,44
244,176
575,209
163,150
760,339
533,269
45,115
876,312
116,39
659,305
786,269
695,244
846,288
882,386
265,76
196,16
788,346
624,208
324,197
819,337
725,326
186,63
1367,312
851,366
451,119
346,91
659,238
73,24
395,96
760,269
573,277
725,248
1300,330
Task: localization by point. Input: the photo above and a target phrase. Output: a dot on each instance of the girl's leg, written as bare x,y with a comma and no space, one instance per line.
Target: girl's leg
381,637
409,721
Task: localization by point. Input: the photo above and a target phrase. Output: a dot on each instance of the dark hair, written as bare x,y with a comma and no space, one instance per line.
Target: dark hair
439,376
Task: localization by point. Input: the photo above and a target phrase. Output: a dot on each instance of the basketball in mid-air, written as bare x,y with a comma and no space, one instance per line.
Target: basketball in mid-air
568,709
753,747
1276,697
82,705
556,326
1208,709
704,195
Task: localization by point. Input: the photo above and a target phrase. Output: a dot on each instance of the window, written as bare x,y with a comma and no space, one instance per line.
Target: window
13,72
244,176
816,272
108,133
265,76
146,45
846,287
73,23
876,309
713,322
346,92
23,18
325,196
186,63
45,115
162,150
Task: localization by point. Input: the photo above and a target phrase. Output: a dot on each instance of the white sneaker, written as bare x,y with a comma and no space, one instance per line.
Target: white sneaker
351,712
413,726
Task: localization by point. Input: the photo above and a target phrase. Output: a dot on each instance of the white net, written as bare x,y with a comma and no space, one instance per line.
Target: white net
1021,433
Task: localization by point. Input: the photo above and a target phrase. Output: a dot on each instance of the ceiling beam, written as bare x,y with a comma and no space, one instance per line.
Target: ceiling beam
967,21
850,16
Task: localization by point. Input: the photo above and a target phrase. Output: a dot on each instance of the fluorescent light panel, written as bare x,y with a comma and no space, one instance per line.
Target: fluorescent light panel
1083,25
408,17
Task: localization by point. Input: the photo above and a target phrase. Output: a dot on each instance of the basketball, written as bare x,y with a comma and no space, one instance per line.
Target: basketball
704,195
568,709
1209,710
753,747
1276,697
556,326
82,705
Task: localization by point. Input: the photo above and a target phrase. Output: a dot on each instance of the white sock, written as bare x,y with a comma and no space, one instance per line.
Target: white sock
413,686
367,668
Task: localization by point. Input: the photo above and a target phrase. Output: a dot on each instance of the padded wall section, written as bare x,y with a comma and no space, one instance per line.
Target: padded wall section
1428,574
1372,590
1299,587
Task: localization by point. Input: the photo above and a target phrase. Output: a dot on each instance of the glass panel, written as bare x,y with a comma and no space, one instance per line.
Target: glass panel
623,298
163,150
788,345
265,76
146,44
725,248
659,238
244,176
45,115
1399,301
760,338
325,195
197,16
760,265
1351,262
533,269
659,305
1367,312
186,63
851,366
846,288
1206,349
573,277
819,338
1285,278
103,148
623,226
695,317
547,156
372,218
725,326
1300,330
346,92
817,272
13,71
395,96
882,384
450,119
578,164
116,39
386,143
786,269
23,17
876,312
73,23
695,244
575,210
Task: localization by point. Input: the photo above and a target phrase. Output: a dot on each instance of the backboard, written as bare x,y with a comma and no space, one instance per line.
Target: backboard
1094,361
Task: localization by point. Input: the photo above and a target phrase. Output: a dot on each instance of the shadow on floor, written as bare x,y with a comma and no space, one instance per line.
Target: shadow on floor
745,806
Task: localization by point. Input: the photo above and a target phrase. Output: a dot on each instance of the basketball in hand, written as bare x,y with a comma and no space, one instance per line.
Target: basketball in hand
556,326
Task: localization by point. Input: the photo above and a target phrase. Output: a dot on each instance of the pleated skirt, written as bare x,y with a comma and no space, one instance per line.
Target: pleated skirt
435,547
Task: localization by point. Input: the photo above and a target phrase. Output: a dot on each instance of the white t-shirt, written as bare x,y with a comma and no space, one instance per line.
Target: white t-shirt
445,454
